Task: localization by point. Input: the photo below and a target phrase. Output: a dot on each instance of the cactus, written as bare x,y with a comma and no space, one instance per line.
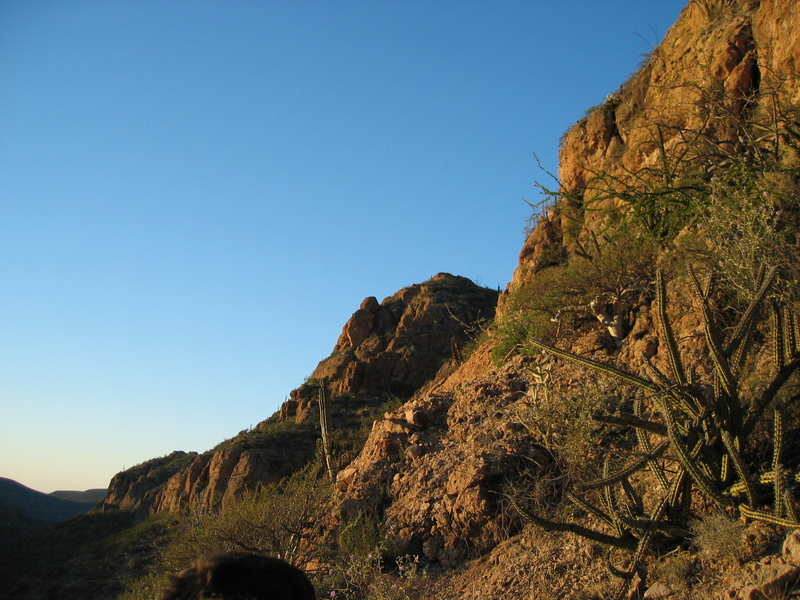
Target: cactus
325,423
706,435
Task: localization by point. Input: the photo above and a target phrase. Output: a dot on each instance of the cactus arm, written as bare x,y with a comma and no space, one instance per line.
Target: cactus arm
592,509
644,442
689,462
777,452
608,479
632,421
768,517
738,464
325,423
598,366
623,543
712,339
666,330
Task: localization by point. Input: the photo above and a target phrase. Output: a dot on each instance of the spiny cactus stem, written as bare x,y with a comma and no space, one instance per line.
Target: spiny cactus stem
598,366
777,452
591,534
675,362
690,463
678,487
592,509
632,421
712,339
687,402
738,464
612,506
765,479
778,347
325,423
725,469
608,480
634,499
644,441
762,515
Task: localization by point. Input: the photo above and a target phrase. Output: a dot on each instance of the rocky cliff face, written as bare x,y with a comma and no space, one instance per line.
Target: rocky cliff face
385,350
438,467
136,488
721,61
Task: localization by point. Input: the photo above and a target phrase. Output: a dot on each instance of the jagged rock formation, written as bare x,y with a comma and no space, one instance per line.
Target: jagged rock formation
720,59
438,465
392,348
216,477
137,487
387,349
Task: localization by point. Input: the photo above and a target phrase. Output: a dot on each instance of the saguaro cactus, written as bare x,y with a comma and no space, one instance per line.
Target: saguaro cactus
325,423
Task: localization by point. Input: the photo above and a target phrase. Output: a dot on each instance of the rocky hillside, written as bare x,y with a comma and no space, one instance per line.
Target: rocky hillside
724,84
386,350
724,63
692,164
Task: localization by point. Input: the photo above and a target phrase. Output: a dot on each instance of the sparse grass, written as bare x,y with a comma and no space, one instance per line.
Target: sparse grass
718,537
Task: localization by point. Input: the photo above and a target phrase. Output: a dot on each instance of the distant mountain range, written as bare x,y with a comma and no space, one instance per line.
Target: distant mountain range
50,508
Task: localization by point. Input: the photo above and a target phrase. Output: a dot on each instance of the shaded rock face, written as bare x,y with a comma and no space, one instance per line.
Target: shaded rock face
136,488
394,347
216,478
204,482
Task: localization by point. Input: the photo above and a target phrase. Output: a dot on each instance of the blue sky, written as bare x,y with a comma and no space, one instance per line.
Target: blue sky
196,195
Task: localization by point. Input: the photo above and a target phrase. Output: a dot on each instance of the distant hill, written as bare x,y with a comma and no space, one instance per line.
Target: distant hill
39,506
89,496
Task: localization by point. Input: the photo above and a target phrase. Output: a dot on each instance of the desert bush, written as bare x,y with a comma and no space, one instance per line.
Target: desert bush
753,219
274,519
604,279
362,566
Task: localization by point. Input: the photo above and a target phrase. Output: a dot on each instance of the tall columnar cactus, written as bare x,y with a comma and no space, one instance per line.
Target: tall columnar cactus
325,423
706,434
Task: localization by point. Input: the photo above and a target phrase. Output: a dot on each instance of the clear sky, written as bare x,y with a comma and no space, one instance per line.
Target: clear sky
196,195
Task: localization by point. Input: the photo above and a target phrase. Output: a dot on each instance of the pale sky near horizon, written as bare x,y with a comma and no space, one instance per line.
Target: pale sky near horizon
196,195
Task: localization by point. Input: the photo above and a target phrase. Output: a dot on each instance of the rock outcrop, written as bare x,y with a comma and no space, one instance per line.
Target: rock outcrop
721,58
217,477
386,349
439,465
392,348
137,487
